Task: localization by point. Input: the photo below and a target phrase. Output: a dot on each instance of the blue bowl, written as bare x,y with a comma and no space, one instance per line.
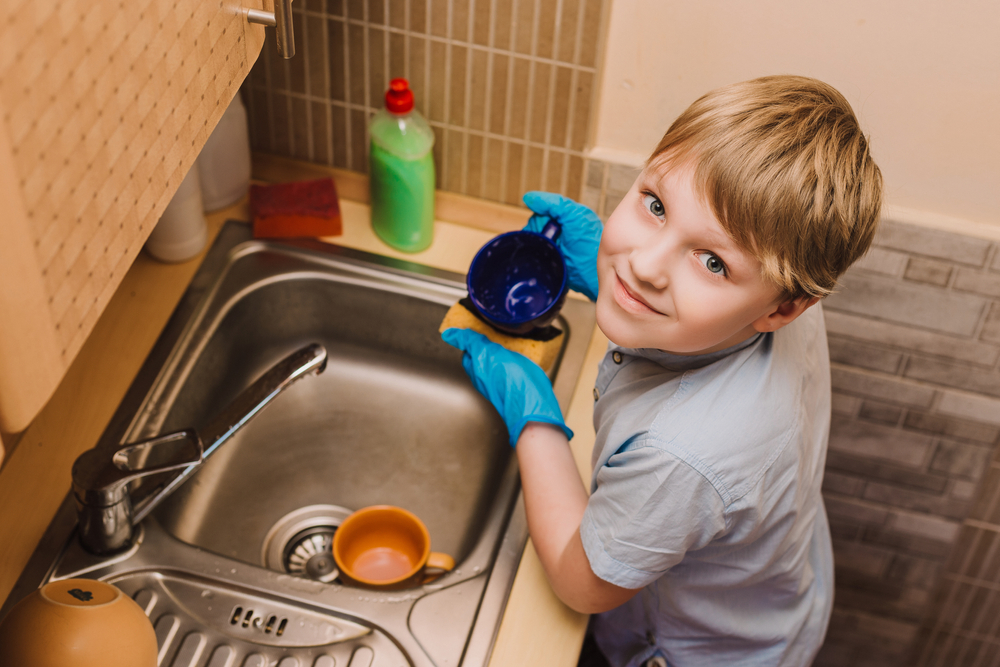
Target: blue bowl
517,281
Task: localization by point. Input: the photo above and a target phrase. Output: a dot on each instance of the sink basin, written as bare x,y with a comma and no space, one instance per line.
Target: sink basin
222,566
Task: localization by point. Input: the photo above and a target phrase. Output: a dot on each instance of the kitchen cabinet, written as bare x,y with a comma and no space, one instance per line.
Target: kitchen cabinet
104,106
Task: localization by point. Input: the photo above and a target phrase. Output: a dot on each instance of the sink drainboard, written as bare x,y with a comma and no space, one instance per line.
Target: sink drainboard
195,620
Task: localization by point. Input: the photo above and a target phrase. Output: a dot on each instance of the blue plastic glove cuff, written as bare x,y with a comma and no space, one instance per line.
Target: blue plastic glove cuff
515,434
518,389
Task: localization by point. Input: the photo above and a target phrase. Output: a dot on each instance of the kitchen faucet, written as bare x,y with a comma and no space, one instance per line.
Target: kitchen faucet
101,476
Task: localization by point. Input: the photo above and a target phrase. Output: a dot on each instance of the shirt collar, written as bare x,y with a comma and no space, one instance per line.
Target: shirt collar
678,362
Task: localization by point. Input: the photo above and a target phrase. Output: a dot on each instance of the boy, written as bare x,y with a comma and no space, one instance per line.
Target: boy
704,540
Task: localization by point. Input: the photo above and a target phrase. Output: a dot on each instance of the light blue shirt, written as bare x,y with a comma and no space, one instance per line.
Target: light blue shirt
706,494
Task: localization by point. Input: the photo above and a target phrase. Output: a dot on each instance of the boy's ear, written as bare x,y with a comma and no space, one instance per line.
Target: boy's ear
784,313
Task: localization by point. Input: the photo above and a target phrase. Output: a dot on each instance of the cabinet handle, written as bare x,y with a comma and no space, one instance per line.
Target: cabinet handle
281,20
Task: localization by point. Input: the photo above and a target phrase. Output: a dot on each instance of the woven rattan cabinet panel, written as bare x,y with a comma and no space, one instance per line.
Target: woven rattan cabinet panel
105,105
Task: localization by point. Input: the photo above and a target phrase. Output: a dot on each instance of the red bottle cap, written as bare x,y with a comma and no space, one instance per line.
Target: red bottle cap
399,97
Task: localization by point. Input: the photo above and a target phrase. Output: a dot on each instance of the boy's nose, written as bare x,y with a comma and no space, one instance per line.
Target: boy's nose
650,264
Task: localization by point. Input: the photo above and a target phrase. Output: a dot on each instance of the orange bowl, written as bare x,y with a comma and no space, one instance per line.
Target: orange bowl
79,622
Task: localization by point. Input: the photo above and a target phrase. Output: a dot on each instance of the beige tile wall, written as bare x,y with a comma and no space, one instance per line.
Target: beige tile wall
507,86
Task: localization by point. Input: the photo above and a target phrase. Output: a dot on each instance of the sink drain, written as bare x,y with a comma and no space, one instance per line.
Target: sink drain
301,542
310,554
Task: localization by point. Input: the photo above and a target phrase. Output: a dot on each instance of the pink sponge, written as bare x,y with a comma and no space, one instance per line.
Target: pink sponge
304,208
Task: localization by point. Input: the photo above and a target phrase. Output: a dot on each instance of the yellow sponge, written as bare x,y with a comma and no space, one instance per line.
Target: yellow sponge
540,345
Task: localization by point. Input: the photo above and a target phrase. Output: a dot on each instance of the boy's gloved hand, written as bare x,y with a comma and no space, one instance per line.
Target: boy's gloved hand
515,385
578,241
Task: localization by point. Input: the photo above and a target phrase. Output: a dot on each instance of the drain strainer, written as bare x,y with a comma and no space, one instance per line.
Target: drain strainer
301,542
310,554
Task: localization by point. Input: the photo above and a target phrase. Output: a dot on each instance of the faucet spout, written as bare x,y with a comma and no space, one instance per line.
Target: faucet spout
101,478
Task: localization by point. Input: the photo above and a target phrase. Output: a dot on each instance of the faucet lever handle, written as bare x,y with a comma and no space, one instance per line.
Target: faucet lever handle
100,480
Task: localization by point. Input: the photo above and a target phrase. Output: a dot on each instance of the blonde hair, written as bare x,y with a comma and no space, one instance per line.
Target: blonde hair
787,171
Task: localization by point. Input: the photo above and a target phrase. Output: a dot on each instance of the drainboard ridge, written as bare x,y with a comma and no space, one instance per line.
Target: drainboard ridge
195,622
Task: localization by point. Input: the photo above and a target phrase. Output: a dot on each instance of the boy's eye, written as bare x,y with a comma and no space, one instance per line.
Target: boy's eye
712,263
653,205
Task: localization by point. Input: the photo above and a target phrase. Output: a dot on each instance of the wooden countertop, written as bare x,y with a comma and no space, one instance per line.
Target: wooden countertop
537,629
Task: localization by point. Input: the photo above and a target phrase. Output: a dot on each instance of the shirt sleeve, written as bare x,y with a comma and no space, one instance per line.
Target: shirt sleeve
650,508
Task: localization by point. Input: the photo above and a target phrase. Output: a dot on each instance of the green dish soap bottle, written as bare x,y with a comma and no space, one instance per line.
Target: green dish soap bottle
401,166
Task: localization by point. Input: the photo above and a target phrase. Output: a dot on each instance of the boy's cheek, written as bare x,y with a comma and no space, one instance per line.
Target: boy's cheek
603,262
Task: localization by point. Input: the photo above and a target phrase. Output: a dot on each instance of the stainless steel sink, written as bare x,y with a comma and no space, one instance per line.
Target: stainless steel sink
223,567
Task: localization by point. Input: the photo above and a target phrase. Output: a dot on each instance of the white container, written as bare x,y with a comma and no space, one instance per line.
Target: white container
224,161
181,232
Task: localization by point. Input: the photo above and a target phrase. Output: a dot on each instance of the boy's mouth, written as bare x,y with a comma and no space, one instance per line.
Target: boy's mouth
630,301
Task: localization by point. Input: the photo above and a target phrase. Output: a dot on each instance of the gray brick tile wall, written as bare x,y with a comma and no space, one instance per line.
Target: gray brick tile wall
923,306
924,525
882,260
986,508
910,339
880,443
986,283
956,375
929,271
939,505
856,512
877,627
964,489
956,428
845,404
907,541
970,406
879,595
913,571
933,243
850,352
961,460
863,559
848,485
864,468
847,379
881,412
991,327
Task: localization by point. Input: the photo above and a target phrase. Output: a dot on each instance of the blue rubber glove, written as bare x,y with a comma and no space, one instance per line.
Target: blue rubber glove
578,241
515,385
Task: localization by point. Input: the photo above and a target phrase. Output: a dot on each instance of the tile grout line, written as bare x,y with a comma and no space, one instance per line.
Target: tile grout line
407,8
464,189
348,143
448,46
310,136
327,76
488,102
268,77
550,98
574,81
366,81
289,109
386,69
427,67
525,157
505,147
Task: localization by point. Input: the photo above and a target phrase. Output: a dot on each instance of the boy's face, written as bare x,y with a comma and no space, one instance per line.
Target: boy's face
672,279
